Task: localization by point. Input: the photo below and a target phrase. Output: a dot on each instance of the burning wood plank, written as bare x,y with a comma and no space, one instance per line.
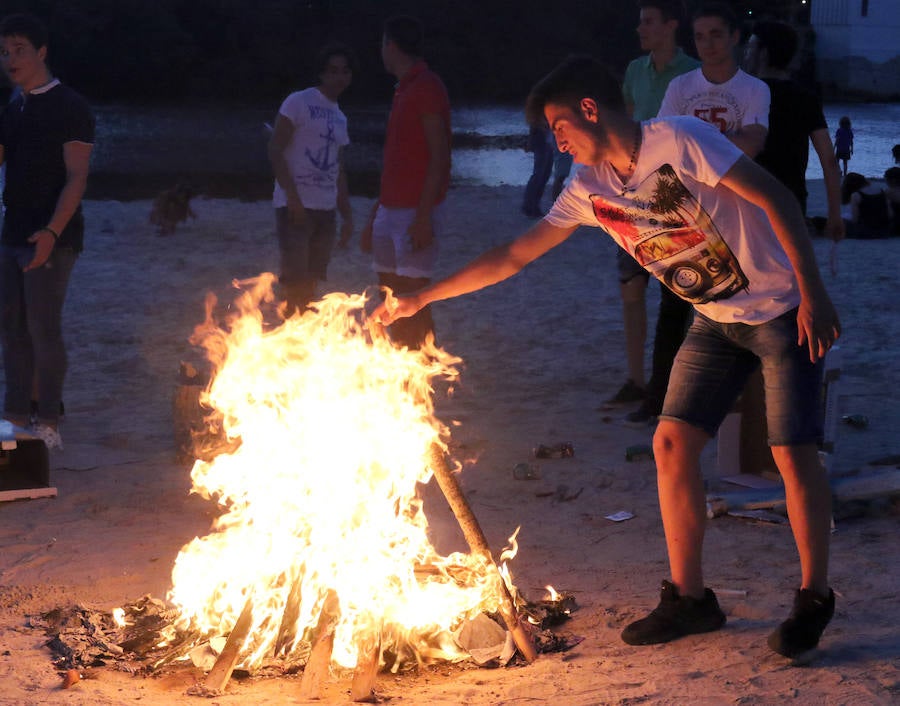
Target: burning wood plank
363,685
323,643
287,632
221,672
478,544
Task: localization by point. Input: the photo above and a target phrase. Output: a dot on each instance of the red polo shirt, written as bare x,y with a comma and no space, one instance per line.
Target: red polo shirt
420,92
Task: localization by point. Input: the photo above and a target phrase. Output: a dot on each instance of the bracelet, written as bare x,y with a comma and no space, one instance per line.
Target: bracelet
51,232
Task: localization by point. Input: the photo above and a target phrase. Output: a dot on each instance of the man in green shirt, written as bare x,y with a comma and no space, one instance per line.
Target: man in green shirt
646,80
647,77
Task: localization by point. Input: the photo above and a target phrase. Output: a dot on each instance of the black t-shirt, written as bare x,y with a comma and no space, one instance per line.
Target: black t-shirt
794,114
33,130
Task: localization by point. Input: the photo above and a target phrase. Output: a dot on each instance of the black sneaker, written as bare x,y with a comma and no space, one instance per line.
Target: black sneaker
803,628
675,617
643,416
629,392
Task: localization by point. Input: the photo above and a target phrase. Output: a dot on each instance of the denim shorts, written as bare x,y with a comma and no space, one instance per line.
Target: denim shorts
716,359
305,250
392,249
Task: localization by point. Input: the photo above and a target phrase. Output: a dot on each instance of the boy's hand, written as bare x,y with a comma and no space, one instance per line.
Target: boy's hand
393,308
44,242
818,326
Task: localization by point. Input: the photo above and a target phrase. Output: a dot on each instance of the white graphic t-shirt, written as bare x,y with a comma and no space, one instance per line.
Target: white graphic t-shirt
701,240
320,129
742,100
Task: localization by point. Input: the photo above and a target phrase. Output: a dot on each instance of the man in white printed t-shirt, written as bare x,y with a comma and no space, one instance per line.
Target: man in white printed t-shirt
724,234
305,152
718,92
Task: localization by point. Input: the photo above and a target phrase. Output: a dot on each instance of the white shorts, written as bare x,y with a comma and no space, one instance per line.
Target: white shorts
392,249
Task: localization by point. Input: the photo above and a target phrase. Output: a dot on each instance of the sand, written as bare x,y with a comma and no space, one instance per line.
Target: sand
541,352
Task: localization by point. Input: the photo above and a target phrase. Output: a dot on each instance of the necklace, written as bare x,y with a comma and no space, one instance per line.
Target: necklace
631,163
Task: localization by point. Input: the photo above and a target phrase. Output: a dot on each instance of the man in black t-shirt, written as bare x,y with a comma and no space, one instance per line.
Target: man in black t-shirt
46,138
795,119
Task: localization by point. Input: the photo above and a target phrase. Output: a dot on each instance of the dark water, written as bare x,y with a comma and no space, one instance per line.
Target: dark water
140,151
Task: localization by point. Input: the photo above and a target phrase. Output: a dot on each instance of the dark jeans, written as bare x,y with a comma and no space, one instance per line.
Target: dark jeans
675,316
544,153
31,305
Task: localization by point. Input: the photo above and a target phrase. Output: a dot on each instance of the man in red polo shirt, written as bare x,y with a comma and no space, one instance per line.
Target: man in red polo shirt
405,225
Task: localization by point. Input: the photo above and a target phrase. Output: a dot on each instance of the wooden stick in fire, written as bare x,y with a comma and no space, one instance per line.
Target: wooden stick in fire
478,543
316,668
221,672
369,659
287,631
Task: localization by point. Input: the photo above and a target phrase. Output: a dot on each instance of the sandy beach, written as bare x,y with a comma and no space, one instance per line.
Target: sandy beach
540,354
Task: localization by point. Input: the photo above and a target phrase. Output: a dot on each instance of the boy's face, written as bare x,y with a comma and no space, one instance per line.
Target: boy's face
336,76
574,133
653,31
24,65
714,40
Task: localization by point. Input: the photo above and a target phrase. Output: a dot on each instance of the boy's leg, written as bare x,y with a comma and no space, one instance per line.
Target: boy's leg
404,269
686,606
18,356
682,501
808,496
707,375
45,293
293,245
794,419
632,289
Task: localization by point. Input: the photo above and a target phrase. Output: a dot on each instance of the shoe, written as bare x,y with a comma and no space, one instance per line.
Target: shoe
643,416
47,434
629,392
675,617
804,626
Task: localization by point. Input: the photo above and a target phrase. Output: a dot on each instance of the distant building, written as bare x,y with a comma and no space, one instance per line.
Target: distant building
857,47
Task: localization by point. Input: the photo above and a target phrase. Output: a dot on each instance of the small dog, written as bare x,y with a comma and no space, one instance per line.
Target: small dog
171,207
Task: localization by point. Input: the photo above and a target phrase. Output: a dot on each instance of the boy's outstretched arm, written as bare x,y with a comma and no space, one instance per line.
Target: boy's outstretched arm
494,266
817,319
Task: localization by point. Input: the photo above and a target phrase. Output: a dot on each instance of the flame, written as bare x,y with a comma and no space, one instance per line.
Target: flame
327,429
118,615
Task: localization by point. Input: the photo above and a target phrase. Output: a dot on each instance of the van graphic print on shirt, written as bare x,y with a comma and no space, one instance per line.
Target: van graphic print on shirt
672,236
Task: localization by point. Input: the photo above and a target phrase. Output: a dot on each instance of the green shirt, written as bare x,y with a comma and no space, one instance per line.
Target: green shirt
644,87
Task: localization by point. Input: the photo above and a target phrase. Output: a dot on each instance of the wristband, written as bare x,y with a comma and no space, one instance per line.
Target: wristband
51,232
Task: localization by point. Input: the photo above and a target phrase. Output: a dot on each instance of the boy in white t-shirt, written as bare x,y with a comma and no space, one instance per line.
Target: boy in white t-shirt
305,152
718,92
722,233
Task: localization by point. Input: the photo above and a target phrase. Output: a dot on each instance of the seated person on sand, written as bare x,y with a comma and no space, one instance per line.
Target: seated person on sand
864,206
892,191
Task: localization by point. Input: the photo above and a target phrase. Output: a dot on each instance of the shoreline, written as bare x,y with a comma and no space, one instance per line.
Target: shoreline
257,186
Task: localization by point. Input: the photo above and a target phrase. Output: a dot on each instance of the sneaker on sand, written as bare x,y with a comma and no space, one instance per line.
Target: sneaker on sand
803,628
643,416
675,617
47,434
629,392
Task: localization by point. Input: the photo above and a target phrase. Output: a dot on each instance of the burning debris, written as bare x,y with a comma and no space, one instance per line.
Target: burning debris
131,639
321,434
